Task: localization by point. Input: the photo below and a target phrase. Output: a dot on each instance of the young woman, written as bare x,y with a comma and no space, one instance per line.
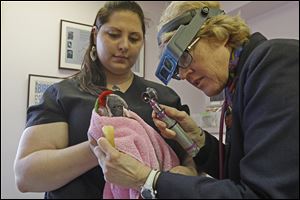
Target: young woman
54,155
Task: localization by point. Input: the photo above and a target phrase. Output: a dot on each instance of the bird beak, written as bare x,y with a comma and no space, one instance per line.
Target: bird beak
126,112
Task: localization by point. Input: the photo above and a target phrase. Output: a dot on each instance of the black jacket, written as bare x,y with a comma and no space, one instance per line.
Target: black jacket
262,147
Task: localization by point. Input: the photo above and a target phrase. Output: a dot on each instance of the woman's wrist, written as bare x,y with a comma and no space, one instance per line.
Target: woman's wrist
142,176
91,154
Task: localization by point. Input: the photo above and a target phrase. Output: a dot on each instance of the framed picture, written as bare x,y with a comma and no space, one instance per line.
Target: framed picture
138,67
37,84
74,41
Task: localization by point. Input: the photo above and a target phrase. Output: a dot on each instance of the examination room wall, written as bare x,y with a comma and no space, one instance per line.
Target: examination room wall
30,45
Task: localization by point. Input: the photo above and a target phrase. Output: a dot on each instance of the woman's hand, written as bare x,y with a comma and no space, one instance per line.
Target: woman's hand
119,168
186,123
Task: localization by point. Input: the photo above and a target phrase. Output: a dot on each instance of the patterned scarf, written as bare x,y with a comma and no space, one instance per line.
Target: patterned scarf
227,105
233,78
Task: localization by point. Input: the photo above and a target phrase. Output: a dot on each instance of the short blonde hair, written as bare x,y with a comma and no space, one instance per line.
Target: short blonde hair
220,27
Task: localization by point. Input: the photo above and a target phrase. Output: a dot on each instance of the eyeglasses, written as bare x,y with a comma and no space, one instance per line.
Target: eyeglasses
185,59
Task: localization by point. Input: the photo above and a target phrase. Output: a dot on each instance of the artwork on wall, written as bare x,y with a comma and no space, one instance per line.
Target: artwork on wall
74,41
37,84
138,67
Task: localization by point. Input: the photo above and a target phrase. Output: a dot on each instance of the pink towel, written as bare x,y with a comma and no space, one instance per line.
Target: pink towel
136,138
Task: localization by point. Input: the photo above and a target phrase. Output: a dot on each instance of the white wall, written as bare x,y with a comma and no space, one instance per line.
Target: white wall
275,19
30,44
280,22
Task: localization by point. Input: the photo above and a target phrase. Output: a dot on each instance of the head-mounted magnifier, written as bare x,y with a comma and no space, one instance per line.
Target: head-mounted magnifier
189,24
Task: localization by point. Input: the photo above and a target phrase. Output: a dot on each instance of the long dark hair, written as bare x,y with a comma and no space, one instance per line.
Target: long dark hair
92,78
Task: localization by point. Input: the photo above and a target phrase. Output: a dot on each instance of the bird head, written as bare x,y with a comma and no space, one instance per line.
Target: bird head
109,104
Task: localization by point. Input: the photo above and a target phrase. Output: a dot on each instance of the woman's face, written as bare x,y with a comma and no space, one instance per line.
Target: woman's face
209,68
119,42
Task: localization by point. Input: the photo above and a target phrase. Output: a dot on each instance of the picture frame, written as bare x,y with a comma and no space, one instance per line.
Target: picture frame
138,67
74,41
37,84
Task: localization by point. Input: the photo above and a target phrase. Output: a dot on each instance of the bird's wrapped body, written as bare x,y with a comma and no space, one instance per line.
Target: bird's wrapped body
130,134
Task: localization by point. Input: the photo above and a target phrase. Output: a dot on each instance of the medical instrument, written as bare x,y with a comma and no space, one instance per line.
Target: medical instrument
150,96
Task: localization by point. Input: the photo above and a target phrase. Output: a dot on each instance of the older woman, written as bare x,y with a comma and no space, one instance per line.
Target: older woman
261,81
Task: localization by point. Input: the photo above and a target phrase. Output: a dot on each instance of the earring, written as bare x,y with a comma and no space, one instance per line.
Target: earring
93,53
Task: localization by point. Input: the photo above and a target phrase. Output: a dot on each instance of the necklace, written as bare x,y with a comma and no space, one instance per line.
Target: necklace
115,88
123,85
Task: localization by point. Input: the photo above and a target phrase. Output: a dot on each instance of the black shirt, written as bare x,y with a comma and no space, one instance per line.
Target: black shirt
64,102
